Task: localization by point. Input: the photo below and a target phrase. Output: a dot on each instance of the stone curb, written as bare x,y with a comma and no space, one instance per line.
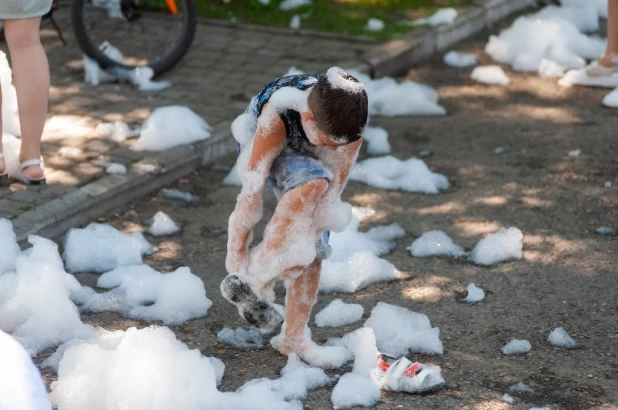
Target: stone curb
114,191
397,56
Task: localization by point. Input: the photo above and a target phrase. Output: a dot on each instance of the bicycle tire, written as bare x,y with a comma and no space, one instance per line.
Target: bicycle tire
162,65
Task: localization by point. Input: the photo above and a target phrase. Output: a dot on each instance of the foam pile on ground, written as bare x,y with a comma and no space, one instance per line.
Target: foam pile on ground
28,294
9,246
575,153
516,346
475,294
377,141
460,60
101,247
435,243
499,246
559,337
388,172
374,24
140,292
70,151
579,77
390,98
170,126
244,338
295,22
118,131
115,168
10,115
550,69
611,99
355,262
11,146
163,225
441,16
490,74
232,178
531,39
584,17
508,399
178,195
338,313
286,5
520,388
399,330
605,230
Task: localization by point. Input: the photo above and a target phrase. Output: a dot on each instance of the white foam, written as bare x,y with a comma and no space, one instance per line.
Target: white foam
611,99
559,337
69,151
390,98
399,330
490,74
374,24
117,131
530,39
605,230
27,295
584,17
11,146
10,114
499,246
244,338
475,294
459,60
293,71
520,388
575,153
355,390
508,399
377,141
388,172
441,16
579,77
115,168
335,77
286,5
550,69
163,225
607,184
338,313
8,244
295,22
140,292
435,243
178,195
170,126
516,346
355,262
101,247
232,178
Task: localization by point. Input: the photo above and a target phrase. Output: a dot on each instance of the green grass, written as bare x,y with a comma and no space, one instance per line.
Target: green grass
338,16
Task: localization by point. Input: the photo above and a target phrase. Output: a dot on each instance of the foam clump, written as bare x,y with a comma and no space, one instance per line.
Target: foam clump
170,126
605,230
520,388
178,195
388,97
575,153
140,292
337,79
244,338
377,141
516,346
585,18
295,22
531,39
440,17
507,398
460,60
11,147
475,294
338,313
435,243
499,246
28,294
560,338
115,168
490,74
10,114
611,99
388,172
374,24
117,131
101,247
9,246
355,262
163,225
355,390
550,69
286,5
399,330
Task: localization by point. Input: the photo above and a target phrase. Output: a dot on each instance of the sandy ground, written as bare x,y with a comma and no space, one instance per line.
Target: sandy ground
567,277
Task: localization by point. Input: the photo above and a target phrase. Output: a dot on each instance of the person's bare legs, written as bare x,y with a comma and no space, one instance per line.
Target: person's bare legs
610,57
31,80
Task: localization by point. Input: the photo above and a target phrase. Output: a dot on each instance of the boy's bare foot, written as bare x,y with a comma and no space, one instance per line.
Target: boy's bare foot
251,307
326,357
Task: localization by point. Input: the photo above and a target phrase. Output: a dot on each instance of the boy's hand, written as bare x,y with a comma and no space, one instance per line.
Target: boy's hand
268,143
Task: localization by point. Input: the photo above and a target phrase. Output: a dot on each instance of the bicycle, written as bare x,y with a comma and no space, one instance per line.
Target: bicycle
150,33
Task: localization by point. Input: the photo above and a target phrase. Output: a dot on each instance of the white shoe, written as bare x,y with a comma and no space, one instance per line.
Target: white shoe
611,99
594,69
403,375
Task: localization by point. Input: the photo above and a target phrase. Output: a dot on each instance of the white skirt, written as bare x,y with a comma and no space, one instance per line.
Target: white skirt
22,9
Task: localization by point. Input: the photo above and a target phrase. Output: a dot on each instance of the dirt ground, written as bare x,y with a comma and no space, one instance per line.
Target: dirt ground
568,275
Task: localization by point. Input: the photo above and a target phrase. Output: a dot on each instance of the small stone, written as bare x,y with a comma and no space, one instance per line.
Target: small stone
608,184
590,376
499,150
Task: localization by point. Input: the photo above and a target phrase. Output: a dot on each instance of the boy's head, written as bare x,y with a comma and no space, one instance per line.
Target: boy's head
338,105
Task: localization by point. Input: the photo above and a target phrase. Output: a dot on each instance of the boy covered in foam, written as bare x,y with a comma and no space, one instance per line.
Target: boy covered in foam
301,136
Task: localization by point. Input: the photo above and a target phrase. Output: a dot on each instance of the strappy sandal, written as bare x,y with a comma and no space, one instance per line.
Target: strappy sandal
4,177
403,375
29,163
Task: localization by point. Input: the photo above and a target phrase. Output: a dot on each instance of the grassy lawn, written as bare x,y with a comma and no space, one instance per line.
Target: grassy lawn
338,16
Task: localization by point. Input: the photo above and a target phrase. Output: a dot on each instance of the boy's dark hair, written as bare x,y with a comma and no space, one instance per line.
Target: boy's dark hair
340,112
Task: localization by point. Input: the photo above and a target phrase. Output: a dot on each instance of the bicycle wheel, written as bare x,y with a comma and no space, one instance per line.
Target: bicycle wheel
154,33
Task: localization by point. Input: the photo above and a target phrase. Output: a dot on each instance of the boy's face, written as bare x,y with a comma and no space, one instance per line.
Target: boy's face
315,135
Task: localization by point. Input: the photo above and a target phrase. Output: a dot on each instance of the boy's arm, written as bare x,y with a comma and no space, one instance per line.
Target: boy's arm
268,143
348,156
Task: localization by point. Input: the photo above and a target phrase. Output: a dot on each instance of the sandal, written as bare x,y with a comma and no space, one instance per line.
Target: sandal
403,375
29,163
4,177
595,69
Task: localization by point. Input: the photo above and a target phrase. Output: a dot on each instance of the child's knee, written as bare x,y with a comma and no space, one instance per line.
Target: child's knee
314,189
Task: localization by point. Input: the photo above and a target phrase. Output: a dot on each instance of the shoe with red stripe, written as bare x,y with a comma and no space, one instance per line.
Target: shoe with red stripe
403,375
